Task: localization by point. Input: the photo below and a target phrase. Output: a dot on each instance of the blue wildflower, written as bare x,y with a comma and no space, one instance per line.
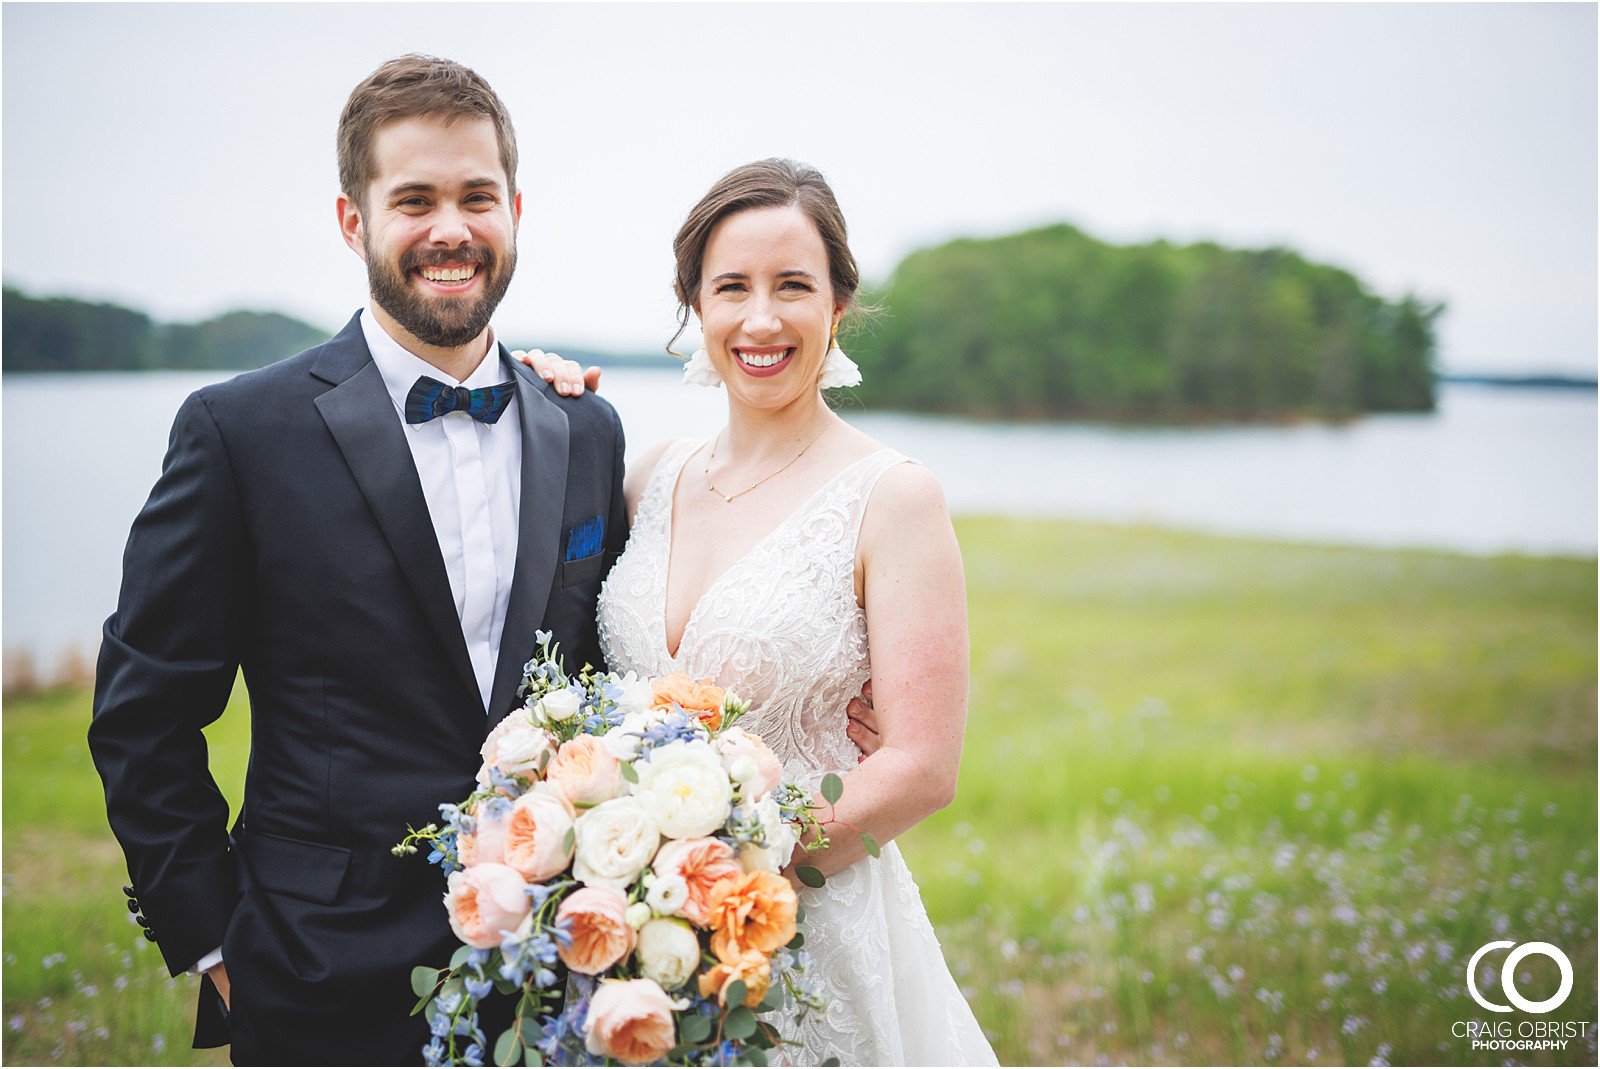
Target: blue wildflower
473,1056
439,1025
433,1053
479,989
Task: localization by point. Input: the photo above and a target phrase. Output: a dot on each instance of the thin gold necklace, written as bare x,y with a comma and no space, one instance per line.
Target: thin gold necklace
727,499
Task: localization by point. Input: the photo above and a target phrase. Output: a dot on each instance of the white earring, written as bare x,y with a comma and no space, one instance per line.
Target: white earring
838,369
699,371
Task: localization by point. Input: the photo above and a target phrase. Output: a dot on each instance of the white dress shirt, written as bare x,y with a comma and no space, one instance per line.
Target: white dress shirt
471,474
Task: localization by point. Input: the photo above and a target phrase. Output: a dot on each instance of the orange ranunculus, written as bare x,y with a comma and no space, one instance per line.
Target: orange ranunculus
601,935
700,698
751,911
703,863
753,967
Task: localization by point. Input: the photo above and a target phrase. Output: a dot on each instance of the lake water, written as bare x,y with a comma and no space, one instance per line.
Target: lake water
1492,470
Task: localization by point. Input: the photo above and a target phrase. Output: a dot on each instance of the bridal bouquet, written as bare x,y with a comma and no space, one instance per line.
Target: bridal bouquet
630,831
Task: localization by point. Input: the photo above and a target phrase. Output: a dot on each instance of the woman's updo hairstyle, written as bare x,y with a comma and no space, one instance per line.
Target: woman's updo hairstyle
774,183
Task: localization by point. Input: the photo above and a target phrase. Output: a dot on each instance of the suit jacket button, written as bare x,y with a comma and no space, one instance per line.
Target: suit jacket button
133,905
128,890
150,935
141,921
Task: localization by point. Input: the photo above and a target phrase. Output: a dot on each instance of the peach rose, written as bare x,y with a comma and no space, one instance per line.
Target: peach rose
631,1021
596,917
751,911
535,838
485,901
487,841
753,967
585,771
700,698
764,770
701,864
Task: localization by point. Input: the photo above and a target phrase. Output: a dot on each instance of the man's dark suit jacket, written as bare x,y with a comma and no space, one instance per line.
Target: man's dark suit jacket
288,536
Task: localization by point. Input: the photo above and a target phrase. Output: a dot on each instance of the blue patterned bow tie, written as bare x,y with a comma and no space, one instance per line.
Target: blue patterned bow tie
430,398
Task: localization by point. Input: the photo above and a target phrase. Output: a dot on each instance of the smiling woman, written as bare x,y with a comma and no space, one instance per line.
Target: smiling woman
794,559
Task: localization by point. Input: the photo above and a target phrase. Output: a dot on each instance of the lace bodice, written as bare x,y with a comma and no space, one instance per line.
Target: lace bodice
781,626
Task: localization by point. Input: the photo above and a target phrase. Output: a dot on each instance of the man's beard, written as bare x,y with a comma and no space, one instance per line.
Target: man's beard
445,321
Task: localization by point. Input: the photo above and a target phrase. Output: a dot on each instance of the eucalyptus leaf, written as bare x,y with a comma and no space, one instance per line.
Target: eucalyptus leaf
628,772
798,941
735,994
695,1029
832,787
870,844
809,876
422,980
531,1056
508,1048
755,1055
459,958
569,840
740,1024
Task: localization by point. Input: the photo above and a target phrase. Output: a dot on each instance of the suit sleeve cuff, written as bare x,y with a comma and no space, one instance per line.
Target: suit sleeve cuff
210,961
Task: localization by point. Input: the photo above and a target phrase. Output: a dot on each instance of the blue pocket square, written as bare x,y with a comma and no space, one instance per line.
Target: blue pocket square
585,538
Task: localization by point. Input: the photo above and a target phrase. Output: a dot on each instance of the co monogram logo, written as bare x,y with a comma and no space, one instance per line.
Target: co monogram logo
1508,979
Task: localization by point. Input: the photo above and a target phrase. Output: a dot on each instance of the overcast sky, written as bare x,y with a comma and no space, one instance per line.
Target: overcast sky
180,158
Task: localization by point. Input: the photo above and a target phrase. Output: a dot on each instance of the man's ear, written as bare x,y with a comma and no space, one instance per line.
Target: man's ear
350,225
516,209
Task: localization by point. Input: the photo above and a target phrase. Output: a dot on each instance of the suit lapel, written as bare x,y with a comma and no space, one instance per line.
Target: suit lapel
360,414
544,491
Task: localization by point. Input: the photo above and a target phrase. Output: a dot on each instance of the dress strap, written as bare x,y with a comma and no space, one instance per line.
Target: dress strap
867,471
658,491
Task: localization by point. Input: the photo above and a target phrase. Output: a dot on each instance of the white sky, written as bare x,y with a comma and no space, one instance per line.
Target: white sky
180,158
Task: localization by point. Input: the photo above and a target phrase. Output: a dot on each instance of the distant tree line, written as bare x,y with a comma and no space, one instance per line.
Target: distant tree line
1052,322
64,334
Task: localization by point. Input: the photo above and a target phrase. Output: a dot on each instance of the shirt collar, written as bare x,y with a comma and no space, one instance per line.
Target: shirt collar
401,368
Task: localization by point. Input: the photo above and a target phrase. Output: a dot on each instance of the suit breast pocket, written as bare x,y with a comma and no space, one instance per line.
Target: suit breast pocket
583,570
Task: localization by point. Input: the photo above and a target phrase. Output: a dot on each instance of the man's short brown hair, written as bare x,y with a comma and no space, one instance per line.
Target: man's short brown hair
409,87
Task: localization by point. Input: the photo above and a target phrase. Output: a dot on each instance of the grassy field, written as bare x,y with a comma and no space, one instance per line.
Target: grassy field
1222,801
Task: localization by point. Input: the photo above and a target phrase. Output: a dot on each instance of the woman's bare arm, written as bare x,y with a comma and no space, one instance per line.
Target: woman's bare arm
915,599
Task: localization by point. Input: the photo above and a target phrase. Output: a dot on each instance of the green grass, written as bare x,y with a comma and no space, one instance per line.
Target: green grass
1222,801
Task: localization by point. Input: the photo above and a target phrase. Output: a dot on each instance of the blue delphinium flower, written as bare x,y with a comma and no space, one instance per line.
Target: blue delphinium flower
439,1025
473,1056
433,1053
479,989
677,727
727,1052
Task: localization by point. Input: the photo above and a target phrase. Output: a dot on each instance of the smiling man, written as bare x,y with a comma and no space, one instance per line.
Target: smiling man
373,530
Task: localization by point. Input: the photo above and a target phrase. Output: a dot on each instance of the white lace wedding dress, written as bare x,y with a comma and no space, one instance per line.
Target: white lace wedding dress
782,628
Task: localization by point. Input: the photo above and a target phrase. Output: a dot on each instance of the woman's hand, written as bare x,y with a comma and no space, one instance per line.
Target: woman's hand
570,379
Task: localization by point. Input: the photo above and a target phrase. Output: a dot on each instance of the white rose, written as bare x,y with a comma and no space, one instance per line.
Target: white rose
778,833
637,915
516,747
559,705
667,894
685,786
636,696
668,952
615,841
